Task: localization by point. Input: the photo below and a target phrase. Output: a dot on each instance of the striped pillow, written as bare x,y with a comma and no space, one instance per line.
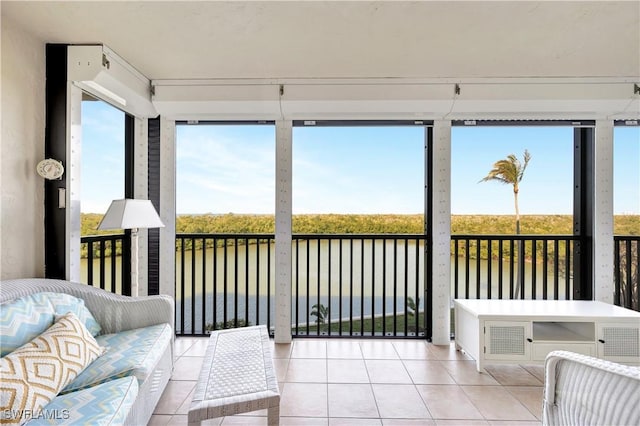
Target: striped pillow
34,374
63,303
21,320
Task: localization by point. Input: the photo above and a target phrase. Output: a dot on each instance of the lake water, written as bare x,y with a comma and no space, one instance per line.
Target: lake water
355,280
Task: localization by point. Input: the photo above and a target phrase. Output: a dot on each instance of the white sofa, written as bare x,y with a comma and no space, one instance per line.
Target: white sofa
583,390
139,336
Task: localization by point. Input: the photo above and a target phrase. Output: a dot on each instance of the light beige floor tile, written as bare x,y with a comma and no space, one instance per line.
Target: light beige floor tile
529,396
257,413
348,365
495,403
412,349
174,396
447,352
465,373
443,422
378,349
448,402
512,375
408,422
198,348
387,371
352,400
281,350
536,370
182,420
187,368
182,344
428,372
304,400
244,420
307,370
159,420
303,421
281,365
344,349
400,401
335,421
309,348
347,371
184,408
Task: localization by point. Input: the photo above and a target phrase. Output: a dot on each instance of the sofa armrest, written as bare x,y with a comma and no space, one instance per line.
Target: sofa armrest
113,312
580,389
121,313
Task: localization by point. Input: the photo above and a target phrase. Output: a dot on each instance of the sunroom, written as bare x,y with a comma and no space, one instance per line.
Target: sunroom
436,66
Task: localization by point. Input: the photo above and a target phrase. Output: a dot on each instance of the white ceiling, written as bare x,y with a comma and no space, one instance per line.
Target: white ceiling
343,39
362,59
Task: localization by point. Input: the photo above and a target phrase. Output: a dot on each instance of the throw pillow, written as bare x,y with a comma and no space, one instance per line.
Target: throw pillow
63,303
34,374
21,320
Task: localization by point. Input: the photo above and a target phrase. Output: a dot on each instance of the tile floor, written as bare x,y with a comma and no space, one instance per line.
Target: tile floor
372,382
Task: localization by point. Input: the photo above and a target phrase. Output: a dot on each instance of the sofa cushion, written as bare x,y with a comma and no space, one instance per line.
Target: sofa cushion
129,353
23,319
34,374
105,404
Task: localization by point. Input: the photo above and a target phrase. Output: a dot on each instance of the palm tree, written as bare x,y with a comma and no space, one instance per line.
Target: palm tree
511,171
412,310
320,312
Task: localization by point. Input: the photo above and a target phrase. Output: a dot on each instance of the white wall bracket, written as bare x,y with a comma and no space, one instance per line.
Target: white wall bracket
99,71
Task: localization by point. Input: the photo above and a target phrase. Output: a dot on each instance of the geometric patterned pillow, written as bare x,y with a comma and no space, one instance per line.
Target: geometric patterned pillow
34,374
21,320
63,303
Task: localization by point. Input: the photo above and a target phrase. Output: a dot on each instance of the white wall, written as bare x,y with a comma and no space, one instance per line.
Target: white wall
23,122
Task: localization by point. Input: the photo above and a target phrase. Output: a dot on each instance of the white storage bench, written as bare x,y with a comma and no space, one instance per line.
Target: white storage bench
237,376
525,331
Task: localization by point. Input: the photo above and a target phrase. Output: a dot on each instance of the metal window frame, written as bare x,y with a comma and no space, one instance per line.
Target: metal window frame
225,122
523,123
361,123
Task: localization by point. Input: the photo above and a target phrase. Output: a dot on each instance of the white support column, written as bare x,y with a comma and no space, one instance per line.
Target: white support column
72,197
168,206
283,231
441,250
141,191
603,267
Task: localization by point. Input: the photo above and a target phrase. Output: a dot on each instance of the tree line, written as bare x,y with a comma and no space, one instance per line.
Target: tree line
371,224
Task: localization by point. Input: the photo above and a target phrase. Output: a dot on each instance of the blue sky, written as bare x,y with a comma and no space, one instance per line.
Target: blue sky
222,169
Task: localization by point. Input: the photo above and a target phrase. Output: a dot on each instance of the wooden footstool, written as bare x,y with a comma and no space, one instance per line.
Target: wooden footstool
237,376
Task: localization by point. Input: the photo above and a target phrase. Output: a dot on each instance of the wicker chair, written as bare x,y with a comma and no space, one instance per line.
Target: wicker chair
582,390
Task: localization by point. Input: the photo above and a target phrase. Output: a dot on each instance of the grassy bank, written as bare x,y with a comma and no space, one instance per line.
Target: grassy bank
369,324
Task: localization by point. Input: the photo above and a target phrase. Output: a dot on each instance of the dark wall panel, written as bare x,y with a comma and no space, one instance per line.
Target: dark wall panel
583,206
154,195
55,146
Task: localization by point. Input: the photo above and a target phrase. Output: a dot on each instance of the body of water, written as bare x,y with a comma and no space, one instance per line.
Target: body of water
357,279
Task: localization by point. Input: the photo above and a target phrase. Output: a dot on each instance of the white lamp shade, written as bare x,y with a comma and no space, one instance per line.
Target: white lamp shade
130,214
